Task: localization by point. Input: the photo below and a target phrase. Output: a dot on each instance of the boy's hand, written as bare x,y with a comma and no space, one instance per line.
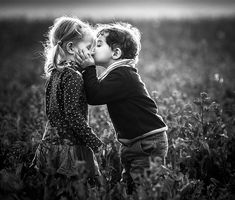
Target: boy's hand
84,58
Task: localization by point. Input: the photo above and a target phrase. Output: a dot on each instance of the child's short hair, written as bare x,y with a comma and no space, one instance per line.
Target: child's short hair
124,36
64,29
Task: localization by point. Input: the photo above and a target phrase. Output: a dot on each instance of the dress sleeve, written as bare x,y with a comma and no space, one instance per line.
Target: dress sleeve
72,86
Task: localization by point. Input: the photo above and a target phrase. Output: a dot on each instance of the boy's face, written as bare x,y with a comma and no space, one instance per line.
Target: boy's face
102,52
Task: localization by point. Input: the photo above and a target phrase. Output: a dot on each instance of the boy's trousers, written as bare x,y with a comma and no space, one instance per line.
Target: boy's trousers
135,157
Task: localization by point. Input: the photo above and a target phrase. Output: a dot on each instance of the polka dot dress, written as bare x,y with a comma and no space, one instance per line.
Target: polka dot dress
67,127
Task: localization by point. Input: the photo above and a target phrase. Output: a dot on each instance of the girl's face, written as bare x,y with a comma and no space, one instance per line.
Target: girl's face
87,44
102,51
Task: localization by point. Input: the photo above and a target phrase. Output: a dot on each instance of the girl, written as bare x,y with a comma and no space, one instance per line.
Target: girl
67,139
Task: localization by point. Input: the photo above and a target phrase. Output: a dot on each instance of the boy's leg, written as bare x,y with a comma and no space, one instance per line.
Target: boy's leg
156,146
134,161
136,157
126,177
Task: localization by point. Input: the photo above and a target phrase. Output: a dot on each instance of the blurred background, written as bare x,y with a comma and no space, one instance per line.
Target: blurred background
188,47
138,9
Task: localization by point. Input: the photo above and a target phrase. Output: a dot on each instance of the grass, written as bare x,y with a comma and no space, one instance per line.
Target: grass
179,60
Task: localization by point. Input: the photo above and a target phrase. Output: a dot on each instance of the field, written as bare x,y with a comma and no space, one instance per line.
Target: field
188,67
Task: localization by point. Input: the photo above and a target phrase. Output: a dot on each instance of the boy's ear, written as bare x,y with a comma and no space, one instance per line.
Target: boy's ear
69,48
117,53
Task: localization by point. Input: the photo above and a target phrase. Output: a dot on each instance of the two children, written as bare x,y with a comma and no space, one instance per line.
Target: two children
68,138
139,128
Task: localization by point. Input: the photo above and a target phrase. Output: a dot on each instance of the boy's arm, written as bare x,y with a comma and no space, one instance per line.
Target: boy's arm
72,92
113,88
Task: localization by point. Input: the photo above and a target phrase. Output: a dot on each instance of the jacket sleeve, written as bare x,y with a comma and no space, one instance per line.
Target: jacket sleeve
114,87
72,85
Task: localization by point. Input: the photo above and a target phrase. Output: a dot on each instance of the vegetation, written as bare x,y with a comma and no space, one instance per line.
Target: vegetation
188,67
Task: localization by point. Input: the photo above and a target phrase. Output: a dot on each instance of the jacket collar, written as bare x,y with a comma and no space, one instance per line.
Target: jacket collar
72,65
115,65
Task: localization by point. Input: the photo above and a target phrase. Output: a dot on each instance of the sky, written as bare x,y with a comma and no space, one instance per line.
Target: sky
117,8
100,1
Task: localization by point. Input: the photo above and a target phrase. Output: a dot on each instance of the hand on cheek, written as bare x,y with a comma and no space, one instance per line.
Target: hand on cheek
84,58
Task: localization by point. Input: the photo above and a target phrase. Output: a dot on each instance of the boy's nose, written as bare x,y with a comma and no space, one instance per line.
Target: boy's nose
92,51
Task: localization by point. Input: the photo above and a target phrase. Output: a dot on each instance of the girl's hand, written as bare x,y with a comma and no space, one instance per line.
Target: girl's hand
101,150
84,59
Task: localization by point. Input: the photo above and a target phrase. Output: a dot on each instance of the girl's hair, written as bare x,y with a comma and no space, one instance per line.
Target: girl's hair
64,30
124,36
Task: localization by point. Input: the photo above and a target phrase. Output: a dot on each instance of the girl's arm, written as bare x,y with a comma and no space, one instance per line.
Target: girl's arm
72,84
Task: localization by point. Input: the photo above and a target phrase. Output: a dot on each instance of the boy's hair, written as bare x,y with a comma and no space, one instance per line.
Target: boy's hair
64,30
124,36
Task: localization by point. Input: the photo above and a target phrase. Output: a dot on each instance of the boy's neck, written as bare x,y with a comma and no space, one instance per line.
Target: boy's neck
110,63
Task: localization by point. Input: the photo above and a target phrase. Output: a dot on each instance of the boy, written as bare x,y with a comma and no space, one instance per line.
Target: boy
139,128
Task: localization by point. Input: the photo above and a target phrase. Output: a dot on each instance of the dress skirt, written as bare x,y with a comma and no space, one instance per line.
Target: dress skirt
64,157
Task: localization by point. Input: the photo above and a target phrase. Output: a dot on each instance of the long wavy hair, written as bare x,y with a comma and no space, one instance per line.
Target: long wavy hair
65,29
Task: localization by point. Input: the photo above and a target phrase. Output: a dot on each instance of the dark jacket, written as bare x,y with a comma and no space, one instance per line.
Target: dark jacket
131,109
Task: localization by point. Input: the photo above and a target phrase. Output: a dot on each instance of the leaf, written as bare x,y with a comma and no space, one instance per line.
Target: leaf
19,169
203,95
215,181
205,145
